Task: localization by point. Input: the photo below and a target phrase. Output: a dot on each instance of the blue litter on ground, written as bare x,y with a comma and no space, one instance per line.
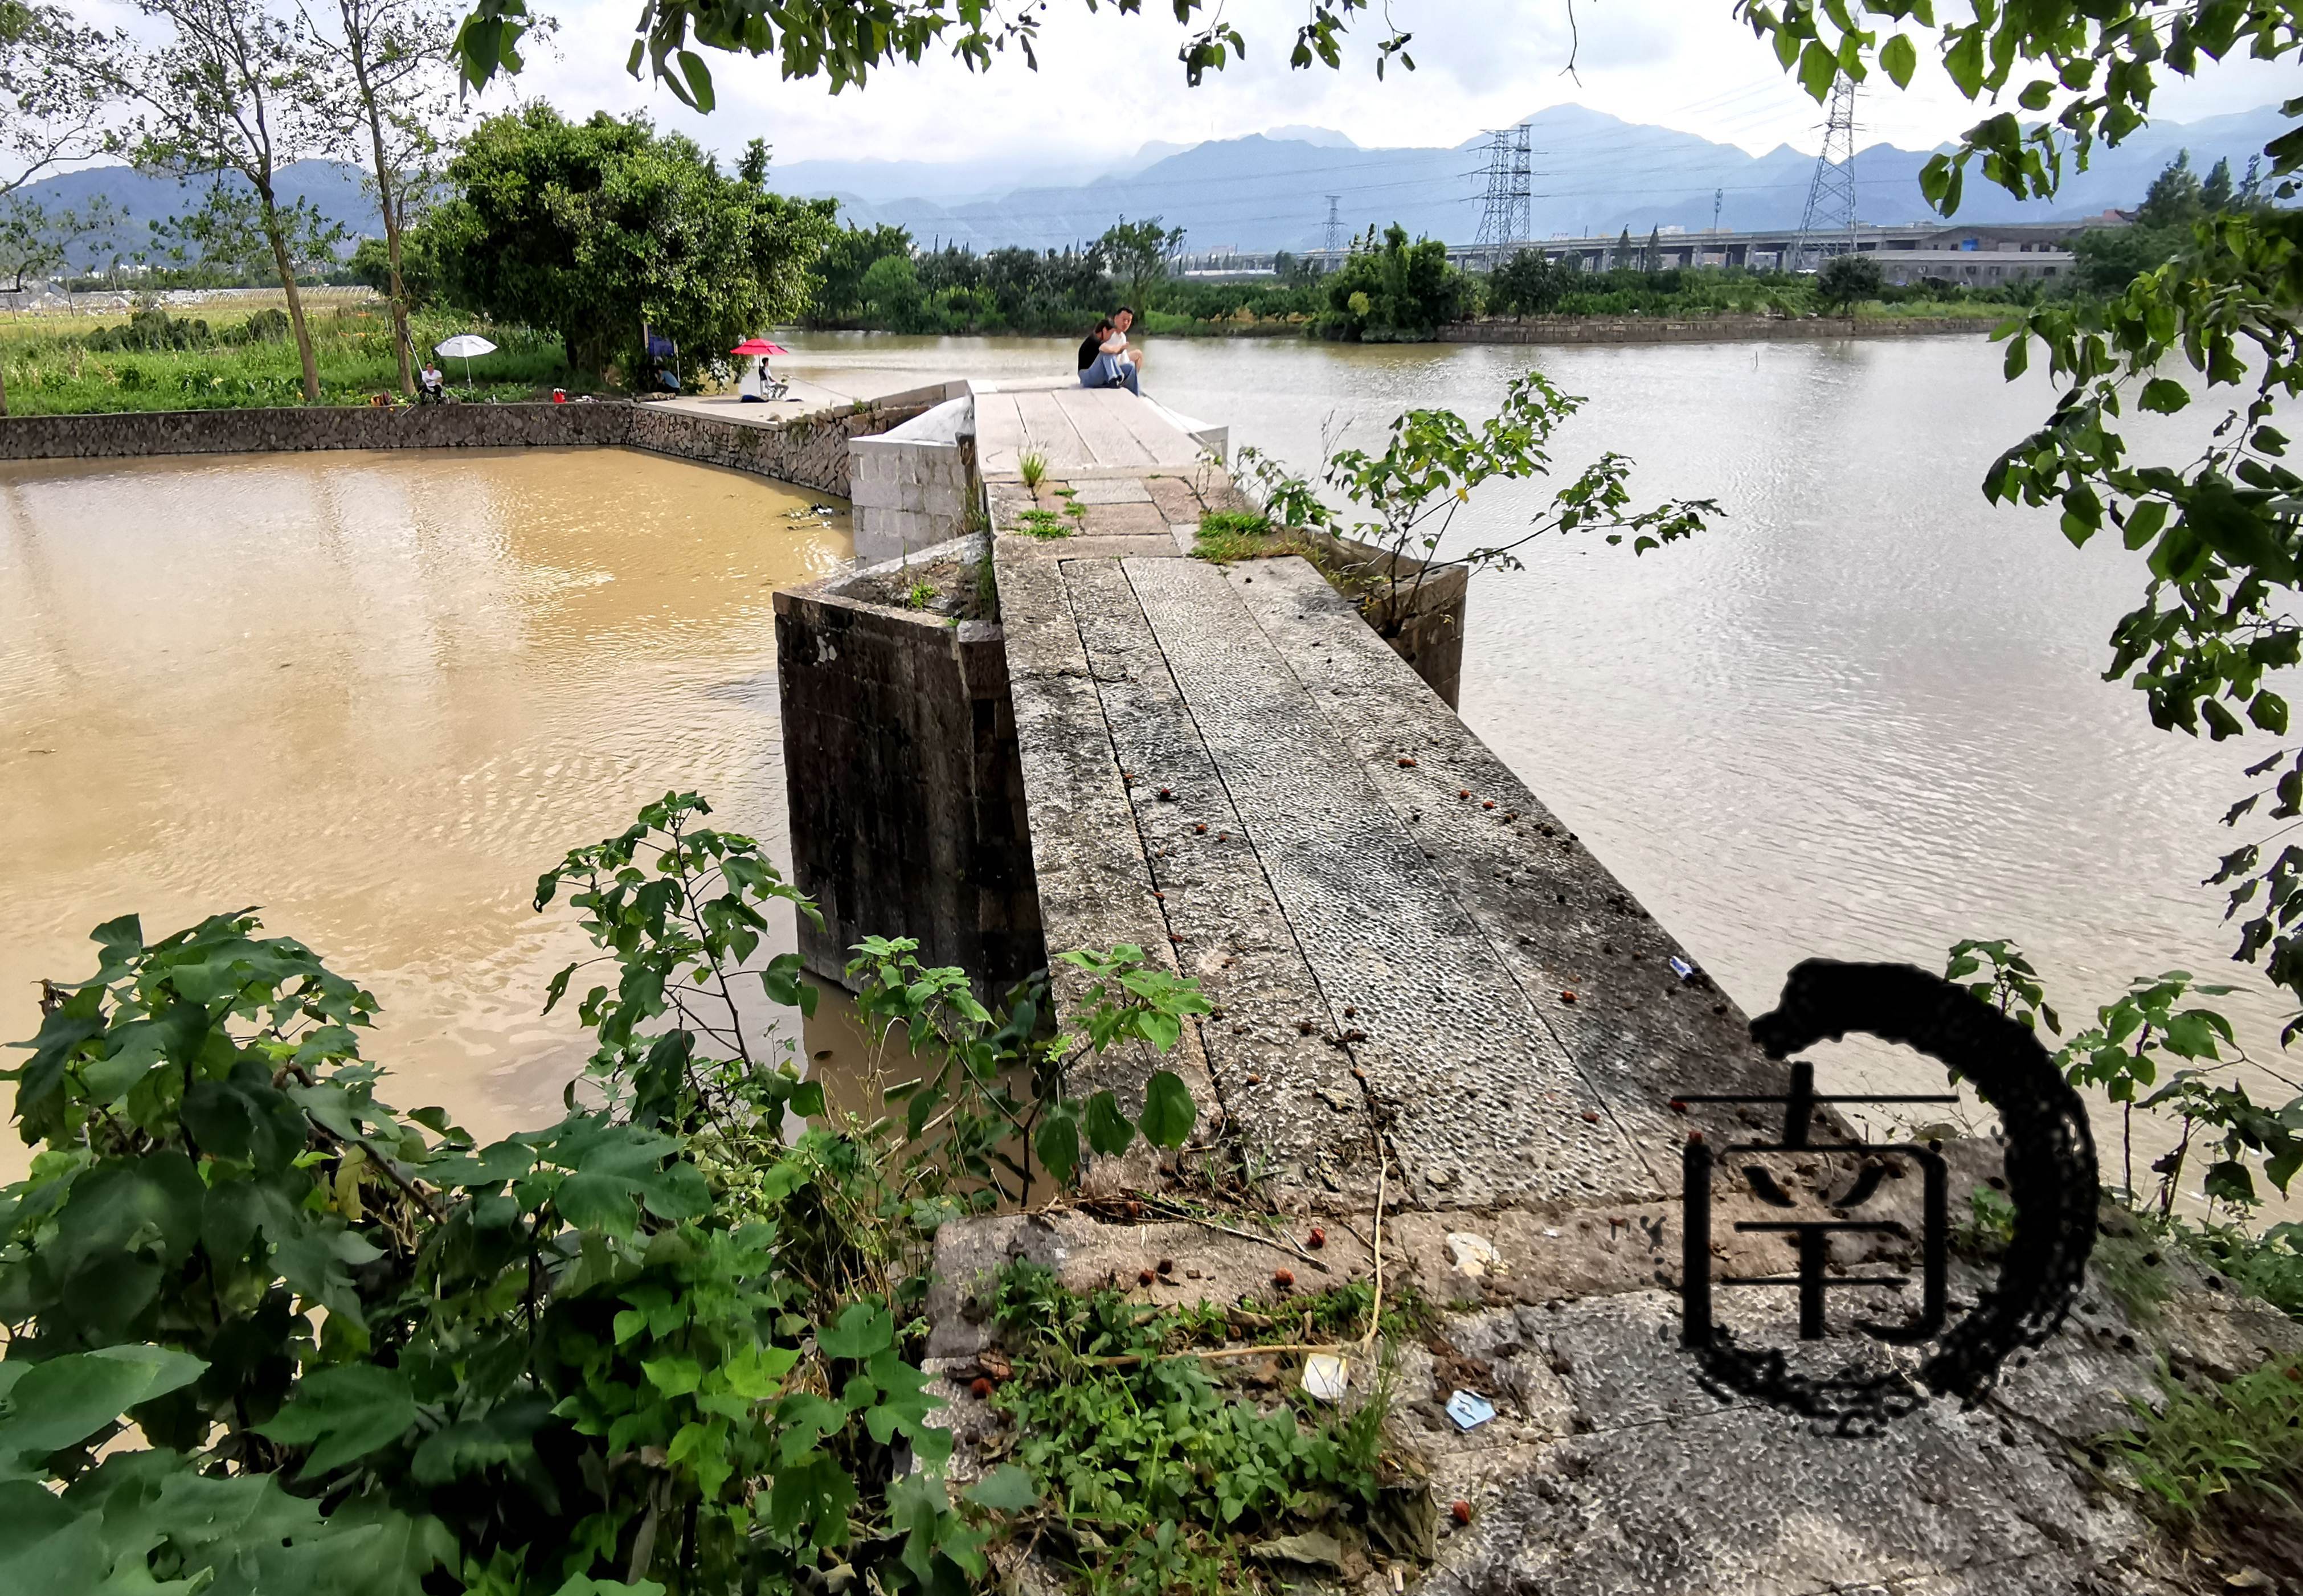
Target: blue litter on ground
1681,969
1470,1410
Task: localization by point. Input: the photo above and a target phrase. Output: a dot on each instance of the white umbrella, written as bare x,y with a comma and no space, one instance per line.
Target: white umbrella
466,344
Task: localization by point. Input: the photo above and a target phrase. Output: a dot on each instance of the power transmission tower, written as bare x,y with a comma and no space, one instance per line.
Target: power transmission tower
1335,239
1717,196
1831,196
1508,215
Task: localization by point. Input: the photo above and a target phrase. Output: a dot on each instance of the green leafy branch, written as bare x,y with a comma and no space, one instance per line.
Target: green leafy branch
1412,492
2151,1049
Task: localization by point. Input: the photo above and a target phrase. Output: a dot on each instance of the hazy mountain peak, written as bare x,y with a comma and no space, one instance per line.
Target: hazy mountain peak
1325,138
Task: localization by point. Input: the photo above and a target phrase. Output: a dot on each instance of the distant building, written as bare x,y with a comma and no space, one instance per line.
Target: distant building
1973,268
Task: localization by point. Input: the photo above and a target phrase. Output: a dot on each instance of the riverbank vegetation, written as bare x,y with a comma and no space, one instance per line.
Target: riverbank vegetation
242,358
268,1332
1388,289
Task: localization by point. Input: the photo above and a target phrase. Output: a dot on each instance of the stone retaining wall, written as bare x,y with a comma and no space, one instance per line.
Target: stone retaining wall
907,789
1645,329
124,434
1432,637
810,451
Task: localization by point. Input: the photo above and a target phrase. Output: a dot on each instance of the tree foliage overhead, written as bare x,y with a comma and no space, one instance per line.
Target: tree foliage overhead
51,113
846,41
593,229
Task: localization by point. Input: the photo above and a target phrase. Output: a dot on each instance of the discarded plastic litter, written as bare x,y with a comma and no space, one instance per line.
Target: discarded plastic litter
1470,1410
1681,969
1326,1376
1475,1255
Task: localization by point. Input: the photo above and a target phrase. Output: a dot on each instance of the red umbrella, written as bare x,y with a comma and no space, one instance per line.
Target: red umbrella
759,346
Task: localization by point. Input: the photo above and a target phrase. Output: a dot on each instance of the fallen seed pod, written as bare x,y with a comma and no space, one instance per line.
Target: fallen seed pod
1143,1277
1317,1239
1283,1279
1462,1510
1487,803
1406,765
980,1389
1566,997
1167,1266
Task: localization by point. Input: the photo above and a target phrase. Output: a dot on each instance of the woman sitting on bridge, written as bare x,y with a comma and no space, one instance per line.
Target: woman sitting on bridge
1103,360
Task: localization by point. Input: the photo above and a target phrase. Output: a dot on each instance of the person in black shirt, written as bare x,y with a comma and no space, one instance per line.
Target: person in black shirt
1092,345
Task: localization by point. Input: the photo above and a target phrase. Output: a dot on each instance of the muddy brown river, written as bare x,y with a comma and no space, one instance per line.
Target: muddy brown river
377,695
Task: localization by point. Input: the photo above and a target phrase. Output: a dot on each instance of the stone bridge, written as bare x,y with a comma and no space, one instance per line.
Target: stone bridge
1441,1027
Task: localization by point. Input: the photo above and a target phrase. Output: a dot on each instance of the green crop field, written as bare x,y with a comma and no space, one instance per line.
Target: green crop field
234,355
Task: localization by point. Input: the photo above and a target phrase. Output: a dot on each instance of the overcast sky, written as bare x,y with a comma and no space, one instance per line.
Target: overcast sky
1107,84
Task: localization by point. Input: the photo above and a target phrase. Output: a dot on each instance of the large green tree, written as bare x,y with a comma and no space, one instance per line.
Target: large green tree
1136,253
594,228
839,270
1391,290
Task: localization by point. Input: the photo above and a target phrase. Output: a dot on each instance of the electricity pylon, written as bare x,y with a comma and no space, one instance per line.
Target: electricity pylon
1335,239
1508,215
1831,196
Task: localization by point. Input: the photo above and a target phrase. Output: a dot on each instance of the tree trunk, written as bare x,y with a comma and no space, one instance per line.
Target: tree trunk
400,318
390,208
295,302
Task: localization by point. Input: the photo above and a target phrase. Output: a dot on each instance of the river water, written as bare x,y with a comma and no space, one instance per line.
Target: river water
377,695
1860,717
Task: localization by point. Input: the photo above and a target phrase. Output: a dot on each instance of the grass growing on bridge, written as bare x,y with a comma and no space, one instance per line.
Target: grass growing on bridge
1156,1467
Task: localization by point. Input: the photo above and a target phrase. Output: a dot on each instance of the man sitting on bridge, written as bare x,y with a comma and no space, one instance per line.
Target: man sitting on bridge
1105,360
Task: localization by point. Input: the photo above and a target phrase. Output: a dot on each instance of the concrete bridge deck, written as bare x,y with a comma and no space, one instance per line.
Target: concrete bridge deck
1081,433
1231,767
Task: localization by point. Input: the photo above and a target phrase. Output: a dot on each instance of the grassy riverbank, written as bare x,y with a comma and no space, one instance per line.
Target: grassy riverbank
240,354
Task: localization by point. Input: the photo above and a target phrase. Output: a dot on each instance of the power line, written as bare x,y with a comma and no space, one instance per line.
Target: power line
1334,238
1831,195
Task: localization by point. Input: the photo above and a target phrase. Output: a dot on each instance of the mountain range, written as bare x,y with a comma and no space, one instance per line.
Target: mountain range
1595,175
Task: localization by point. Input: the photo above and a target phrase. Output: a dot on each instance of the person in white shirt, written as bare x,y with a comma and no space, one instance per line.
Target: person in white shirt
1117,346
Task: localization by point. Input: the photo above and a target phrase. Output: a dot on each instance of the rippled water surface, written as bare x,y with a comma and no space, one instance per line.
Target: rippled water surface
378,694
1862,717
